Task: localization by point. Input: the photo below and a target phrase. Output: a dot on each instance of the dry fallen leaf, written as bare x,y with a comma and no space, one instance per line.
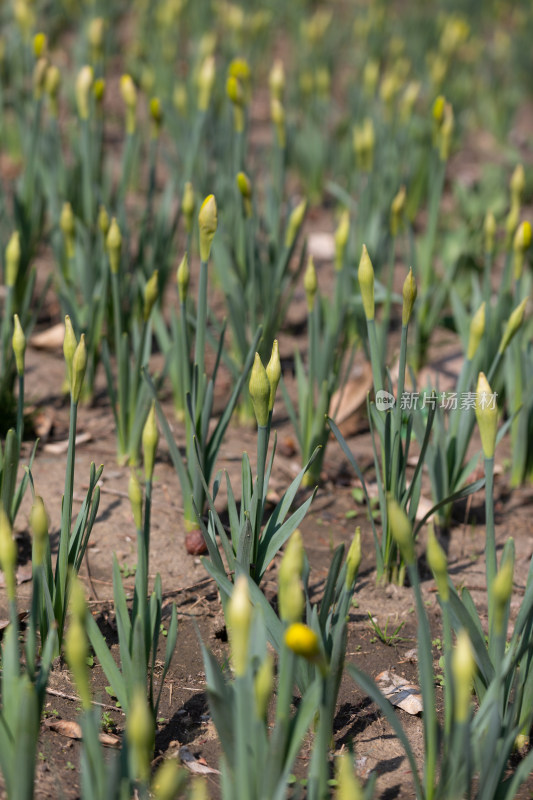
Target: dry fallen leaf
400,692
195,765
58,448
72,730
347,402
24,574
50,339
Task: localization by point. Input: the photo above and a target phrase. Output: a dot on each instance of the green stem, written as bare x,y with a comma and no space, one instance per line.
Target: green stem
199,349
66,525
491,565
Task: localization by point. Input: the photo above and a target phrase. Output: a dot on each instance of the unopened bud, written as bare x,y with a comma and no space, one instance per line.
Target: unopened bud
348,786
140,732
397,210
244,186
12,259
8,554
277,114
156,114
259,388
67,225
52,84
409,296
303,641
169,780
99,90
183,276
207,223
341,238
18,343
40,43
353,559
486,415
517,184
39,527
295,223
263,686
150,440
84,83
239,624
276,80
489,230
463,670
521,243
273,371
187,205
136,499
114,246
95,34
103,220
129,95
401,530
310,283
39,76
70,344
76,654
151,293
477,329
206,79
79,365
365,273
502,589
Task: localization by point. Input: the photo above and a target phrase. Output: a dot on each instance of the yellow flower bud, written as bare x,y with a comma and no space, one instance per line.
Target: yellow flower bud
18,343
409,296
95,34
205,81
40,44
438,109
129,95
401,530
502,589
463,670
150,440
295,223
277,114
12,259
273,371
240,69
291,597
239,620
39,527
39,75
187,205
99,90
114,246
156,114
244,186
207,223
259,388
103,220
511,224
8,554
348,787
310,283
486,415
84,83
489,230
136,499
183,276
438,564
517,184
76,653
70,344
365,273
342,233
52,84
79,365
477,329
353,559
67,225
151,293
276,80
521,243
140,731
303,641
513,325
263,686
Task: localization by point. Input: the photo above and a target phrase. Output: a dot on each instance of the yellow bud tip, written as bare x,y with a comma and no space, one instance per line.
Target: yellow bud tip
244,185
486,415
365,273
302,640
463,670
150,440
19,344
13,253
79,365
522,237
84,83
128,91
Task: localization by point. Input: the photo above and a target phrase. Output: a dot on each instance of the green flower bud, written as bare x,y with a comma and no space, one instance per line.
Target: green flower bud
95,34
183,276
259,388
187,206
156,114
136,499
70,344
486,415
273,371
521,243
365,273
114,245
295,223
39,527
310,284
513,325
39,76
397,211
52,84
99,90
477,329
239,620
19,344
463,670
348,787
438,564
438,109
353,559
409,297
291,597
169,780
489,230
207,222
276,80
401,530
502,589
76,654
77,603
12,259
8,554
446,132
103,221
67,225
277,114
517,184
150,440
84,83
511,224
79,365
140,731
151,293
341,238
205,81
129,95
263,686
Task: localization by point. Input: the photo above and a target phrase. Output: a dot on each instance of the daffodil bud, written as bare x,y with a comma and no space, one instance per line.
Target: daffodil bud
187,206
438,109
18,343
397,210
263,686
12,259
446,132
259,388
463,671
310,283
136,499
438,564
244,186
363,145
273,371
156,115
140,732
52,84
365,273
168,780
99,90
295,223
235,93
150,440
84,83
489,231
79,365
239,623
40,44
401,530
39,76
76,600
353,559
409,296
70,344
95,36
348,787
207,223
205,81
486,415
303,641
277,114
408,100
511,224
24,17
8,554
514,324
342,233
129,95
151,293
183,276
39,528
114,246
103,221
477,329
291,597
276,80
67,225
76,654
521,243
502,589
517,184
240,69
